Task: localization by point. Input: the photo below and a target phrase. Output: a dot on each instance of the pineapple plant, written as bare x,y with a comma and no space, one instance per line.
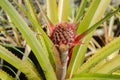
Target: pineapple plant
61,51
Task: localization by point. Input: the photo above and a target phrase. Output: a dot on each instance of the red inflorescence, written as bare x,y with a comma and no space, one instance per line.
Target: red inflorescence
63,33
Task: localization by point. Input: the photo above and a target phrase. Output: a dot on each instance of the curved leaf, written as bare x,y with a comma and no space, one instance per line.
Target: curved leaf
95,76
100,55
80,10
63,10
52,11
109,66
5,76
24,67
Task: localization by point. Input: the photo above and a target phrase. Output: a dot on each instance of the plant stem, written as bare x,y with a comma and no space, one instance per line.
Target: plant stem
63,52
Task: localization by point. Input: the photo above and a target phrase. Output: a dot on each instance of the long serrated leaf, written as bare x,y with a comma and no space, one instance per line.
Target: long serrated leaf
33,15
5,76
31,10
8,67
85,23
80,10
95,76
22,66
52,11
109,66
63,8
100,55
92,28
29,62
30,38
